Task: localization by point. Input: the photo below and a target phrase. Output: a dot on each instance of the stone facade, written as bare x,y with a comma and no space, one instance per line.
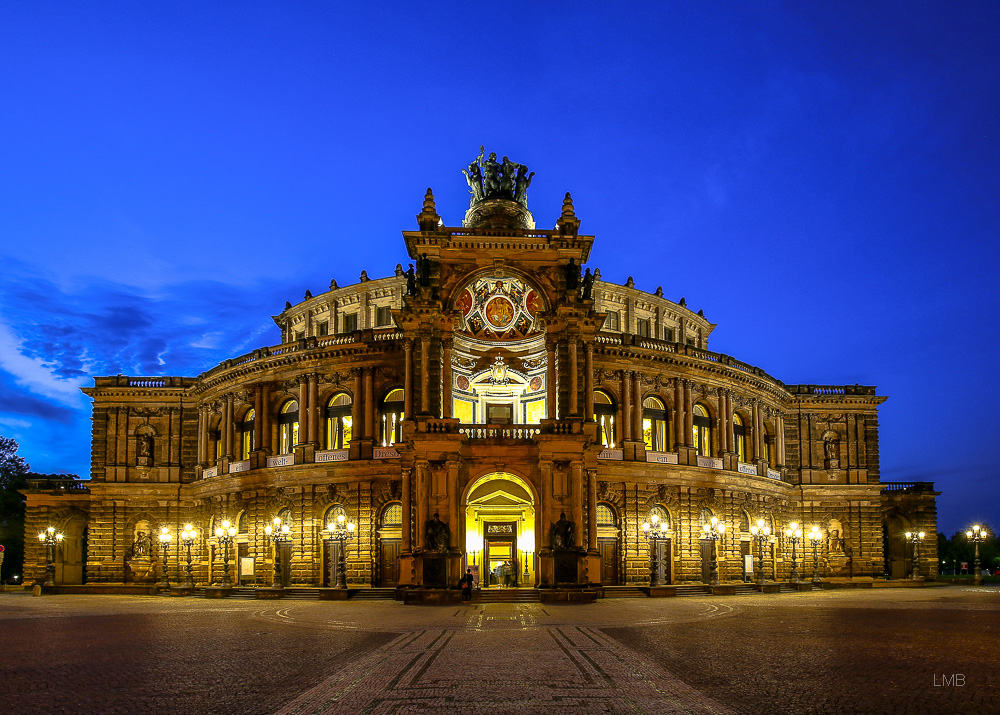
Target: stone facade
492,386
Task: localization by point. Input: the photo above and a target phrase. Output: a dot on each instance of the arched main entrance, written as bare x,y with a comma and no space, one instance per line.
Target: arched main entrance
500,531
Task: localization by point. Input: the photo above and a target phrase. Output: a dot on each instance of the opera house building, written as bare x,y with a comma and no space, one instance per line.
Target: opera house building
491,408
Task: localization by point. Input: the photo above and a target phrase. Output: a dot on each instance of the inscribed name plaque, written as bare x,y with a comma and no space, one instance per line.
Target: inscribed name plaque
246,566
710,462
235,467
662,457
611,454
282,460
774,474
335,455
209,472
500,529
744,468
385,453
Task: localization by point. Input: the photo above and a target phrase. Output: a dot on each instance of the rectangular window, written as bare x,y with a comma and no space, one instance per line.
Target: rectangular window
322,329
383,317
350,322
611,322
642,328
668,334
690,341
299,334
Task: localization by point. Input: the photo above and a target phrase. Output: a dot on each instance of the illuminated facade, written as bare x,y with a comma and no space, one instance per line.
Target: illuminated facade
491,408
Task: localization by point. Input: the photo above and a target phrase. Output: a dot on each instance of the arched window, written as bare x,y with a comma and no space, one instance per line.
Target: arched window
605,516
702,431
393,516
330,517
392,418
739,438
241,522
604,414
288,426
338,421
654,424
246,435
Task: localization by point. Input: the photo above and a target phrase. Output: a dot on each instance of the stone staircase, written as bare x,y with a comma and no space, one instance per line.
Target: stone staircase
506,595
624,592
373,594
692,590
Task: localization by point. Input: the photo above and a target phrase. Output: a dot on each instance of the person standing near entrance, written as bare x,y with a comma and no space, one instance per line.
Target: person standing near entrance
506,574
466,584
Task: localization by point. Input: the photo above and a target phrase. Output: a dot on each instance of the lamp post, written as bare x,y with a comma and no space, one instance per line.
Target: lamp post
714,530
654,530
50,537
341,531
977,535
187,538
224,535
761,534
165,537
914,537
794,534
277,534
815,535
527,547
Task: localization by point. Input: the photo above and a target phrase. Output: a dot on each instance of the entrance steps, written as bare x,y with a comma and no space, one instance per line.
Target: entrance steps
373,594
624,592
693,590
506,595
301,594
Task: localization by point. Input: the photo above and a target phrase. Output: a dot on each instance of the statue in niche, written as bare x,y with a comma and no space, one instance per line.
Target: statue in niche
563,534
144,450
411,281
831,451
572,276
588,285
142,547
424,270
436,535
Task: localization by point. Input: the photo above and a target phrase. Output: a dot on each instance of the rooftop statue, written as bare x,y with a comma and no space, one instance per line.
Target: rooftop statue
492,179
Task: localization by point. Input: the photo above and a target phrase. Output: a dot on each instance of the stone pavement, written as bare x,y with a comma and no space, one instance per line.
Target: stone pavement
886,651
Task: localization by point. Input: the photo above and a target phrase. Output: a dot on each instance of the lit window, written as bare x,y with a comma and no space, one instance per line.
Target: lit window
604,413
739,438
246,435
393,515
288,425
654,424
392,418
605,517
339,422
702,431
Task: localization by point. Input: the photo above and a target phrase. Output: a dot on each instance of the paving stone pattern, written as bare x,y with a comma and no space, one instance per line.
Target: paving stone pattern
830,652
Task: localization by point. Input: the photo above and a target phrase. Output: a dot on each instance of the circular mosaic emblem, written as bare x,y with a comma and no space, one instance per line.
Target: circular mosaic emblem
500,312
463,382
535,384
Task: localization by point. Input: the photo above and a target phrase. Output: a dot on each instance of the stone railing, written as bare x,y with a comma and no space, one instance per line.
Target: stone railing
831,389
499,431
54,484
907,486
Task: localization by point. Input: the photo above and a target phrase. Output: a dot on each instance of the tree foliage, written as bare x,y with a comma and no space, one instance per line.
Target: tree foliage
13,476
957,549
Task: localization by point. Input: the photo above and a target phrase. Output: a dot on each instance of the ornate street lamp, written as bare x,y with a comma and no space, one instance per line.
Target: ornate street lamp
761,534
343,531
50,537
165,537
794,534
714,531
277,534
187,538
914,537
654,530
815,536
224,535
977,535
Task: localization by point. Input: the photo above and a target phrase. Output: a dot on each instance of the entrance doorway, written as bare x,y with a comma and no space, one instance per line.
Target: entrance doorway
608,549
500,531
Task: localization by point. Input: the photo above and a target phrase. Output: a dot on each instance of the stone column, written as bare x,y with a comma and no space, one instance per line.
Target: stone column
636,406
202,435
446,378
679,418
779,439
408,378
370,430
421,468
265,418
730,431
688,415
588,382
457,539
626,403
544,507
358,406
576,497
303,410
758,441
406,546
425,371
314,409
574,382
592,511
227,428
550,380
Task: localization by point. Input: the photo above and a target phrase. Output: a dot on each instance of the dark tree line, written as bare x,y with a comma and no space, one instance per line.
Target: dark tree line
953,551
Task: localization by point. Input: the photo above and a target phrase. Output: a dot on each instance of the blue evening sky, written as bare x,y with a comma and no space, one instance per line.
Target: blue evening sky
820,178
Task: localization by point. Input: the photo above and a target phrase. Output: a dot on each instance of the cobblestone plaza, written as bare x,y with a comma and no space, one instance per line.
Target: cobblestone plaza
929,650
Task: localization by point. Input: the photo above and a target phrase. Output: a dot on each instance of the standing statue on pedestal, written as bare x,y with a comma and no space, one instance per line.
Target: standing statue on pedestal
588,285
411,281
563,534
